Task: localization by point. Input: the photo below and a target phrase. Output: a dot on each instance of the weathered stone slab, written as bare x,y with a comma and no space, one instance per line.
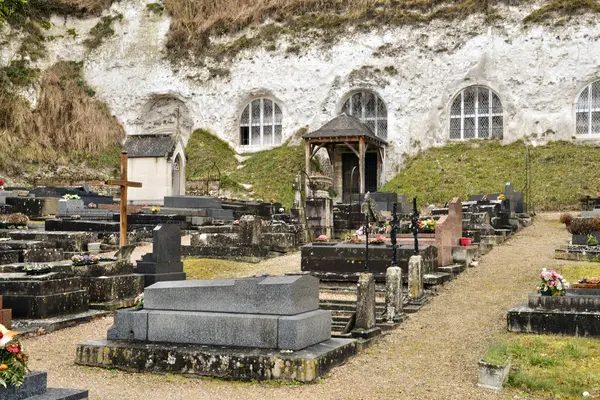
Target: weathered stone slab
192,202
334,261
284,295
213,328
560,322
305,365
129,324
415,277
393,294
581,302
365,302
297,332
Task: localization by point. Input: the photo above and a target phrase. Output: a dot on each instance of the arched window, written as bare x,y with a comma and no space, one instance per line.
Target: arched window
260,124
370,109
476,113
587,111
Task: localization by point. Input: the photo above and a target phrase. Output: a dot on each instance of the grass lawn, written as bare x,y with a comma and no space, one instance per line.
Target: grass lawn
561,172
575,271
205,268
548,366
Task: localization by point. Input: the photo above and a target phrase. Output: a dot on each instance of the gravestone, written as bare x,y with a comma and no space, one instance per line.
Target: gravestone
365,307
164,263
577,314
448,231
510,199
415,278
35,387
250,230
393,294
191,327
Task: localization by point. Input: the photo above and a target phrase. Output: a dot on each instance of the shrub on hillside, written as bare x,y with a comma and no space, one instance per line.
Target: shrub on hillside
584,226
566,218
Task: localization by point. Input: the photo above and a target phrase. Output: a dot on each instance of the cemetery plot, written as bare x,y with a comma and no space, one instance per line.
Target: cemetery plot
191,326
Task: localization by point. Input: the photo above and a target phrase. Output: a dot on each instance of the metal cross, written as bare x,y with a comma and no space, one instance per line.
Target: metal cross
415,225
394,225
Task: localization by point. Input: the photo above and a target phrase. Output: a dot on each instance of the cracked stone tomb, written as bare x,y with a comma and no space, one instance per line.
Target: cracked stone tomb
253,328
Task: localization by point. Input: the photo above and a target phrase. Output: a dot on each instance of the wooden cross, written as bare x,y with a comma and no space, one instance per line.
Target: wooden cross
124,184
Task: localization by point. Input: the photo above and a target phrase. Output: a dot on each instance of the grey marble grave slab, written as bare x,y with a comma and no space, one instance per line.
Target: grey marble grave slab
192,202
284,295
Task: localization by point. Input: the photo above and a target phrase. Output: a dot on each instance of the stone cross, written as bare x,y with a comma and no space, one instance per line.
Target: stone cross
124,184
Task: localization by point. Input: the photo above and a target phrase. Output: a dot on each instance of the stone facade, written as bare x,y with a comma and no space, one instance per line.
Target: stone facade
538,73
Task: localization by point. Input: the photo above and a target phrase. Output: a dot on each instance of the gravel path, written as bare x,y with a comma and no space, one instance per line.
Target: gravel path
432,355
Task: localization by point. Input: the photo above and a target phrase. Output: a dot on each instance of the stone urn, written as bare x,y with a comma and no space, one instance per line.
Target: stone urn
321,185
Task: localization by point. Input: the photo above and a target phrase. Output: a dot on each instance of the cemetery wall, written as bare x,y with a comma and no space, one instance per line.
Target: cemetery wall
537,71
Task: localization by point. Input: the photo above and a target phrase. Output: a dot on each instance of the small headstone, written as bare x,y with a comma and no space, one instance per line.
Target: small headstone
250,230
415,277
365,303
164,263
510,199
125,252
393,293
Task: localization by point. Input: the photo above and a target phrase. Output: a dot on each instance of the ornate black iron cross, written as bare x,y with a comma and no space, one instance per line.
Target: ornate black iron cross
394,224
414,223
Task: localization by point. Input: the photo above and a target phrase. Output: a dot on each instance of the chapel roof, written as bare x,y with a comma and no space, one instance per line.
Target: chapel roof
138,146
344,126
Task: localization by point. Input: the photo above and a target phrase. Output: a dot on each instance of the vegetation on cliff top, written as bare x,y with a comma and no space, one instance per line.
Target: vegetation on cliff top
561,172
67,126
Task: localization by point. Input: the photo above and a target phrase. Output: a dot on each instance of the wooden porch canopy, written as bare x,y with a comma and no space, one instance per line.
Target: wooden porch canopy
349,132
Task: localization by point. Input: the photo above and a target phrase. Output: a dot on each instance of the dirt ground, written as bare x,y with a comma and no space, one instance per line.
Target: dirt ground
433,355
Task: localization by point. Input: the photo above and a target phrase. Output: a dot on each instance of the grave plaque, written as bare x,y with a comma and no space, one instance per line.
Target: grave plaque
164,263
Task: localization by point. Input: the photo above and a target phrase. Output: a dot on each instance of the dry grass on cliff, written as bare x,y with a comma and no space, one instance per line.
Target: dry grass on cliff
68,124
195,21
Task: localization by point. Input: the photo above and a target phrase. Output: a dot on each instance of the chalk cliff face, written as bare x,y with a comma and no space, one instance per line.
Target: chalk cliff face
538,73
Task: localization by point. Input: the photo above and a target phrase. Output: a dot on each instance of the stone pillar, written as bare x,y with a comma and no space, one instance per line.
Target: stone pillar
365,302
393,293
415,277
250,230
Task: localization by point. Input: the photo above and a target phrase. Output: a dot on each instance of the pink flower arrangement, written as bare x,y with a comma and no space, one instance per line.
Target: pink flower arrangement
322,238
552,284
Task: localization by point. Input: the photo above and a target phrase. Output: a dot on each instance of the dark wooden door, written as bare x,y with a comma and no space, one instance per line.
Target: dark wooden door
349,161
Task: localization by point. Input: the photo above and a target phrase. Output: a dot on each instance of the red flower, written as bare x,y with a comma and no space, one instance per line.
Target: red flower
13,348
1,182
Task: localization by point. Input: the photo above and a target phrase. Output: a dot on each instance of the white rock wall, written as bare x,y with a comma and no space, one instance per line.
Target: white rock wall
537,72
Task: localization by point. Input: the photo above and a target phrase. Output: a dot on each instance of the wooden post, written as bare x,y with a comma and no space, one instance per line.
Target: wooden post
123,218
307,152
361,165
124,184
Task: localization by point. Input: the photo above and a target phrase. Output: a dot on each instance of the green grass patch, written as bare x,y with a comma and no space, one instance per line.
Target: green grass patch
271,173
574,272
203,151
204,268
553,366
561,172
497,353
560,8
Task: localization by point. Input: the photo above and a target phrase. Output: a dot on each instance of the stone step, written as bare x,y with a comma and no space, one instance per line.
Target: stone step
453,269
347,307
437,278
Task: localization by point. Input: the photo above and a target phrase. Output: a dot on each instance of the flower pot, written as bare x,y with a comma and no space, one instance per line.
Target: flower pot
492,376
465,241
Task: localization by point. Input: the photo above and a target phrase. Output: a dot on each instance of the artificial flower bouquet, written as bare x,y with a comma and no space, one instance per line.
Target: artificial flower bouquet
13,361
88,259
552,284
